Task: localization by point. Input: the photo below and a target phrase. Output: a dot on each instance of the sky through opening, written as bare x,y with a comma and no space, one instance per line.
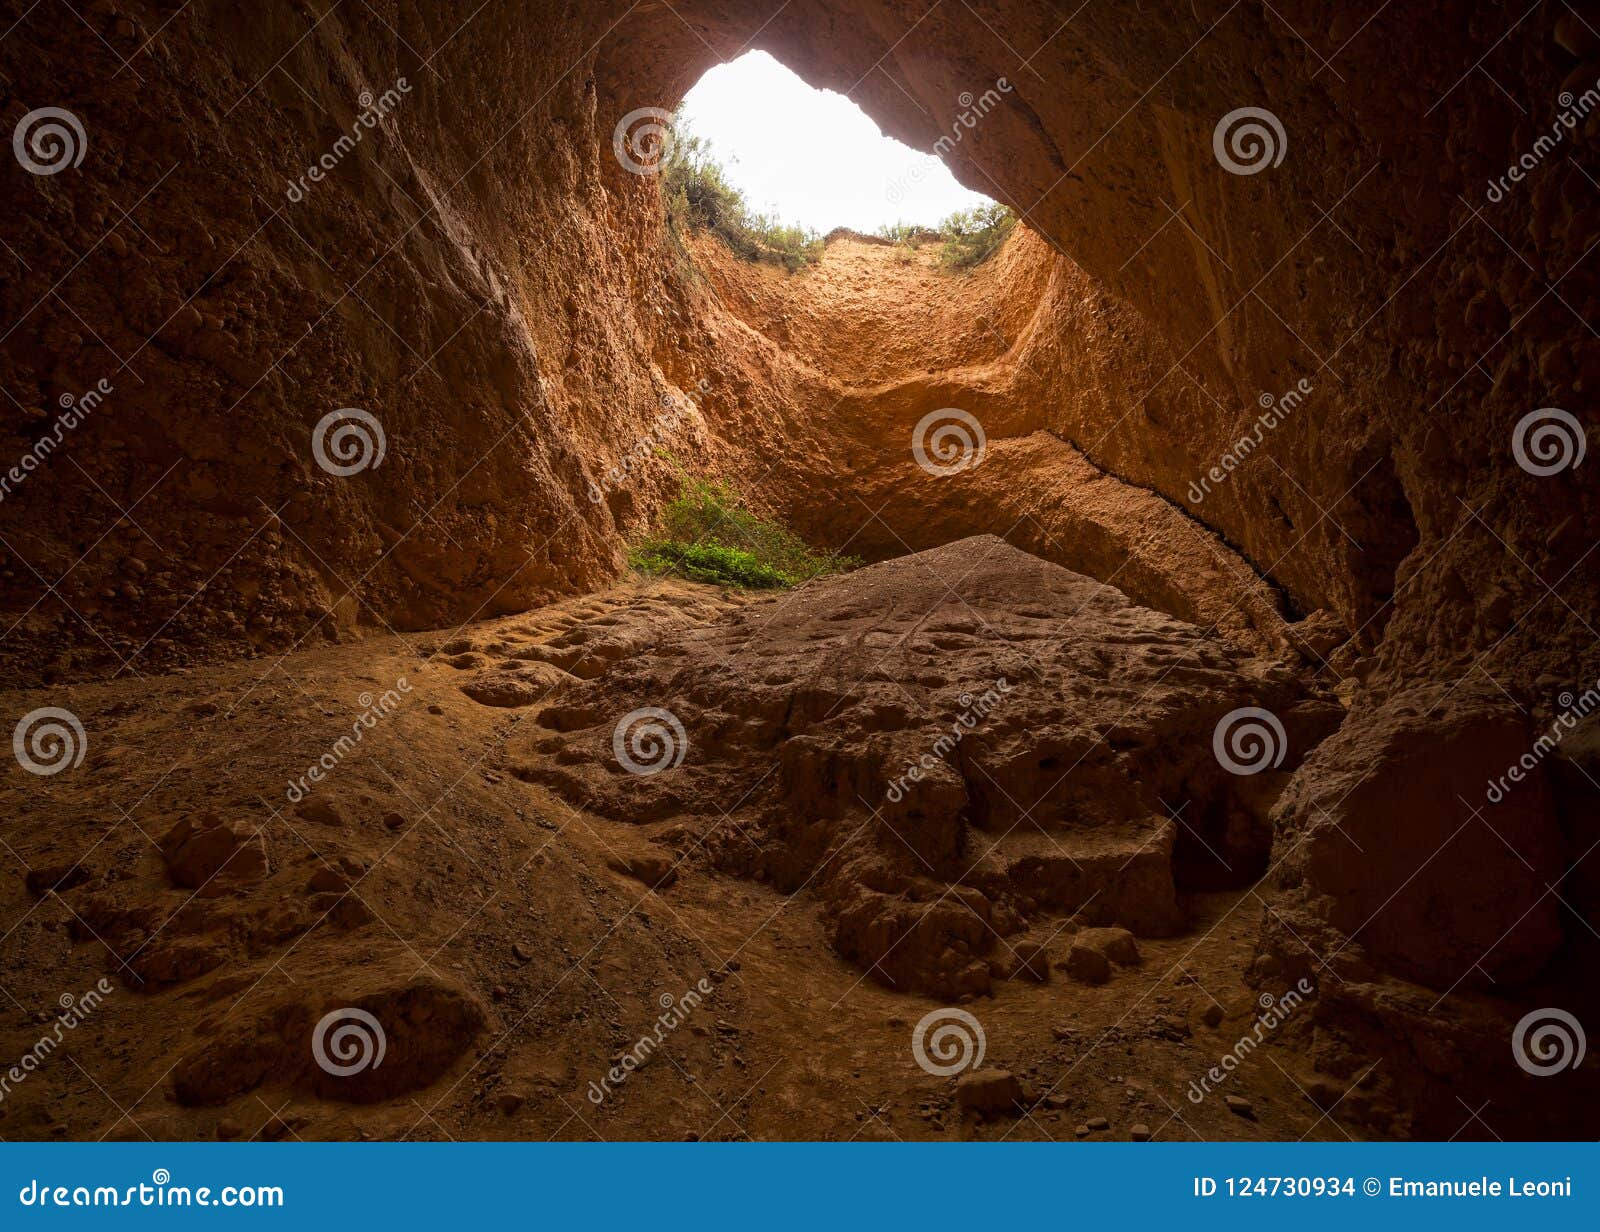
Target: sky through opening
813,157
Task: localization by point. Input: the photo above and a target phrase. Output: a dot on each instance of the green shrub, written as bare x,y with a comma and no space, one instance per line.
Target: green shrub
707,534
905,233
972,236
699,197
708,562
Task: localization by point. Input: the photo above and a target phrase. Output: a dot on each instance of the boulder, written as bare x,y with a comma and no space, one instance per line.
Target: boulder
1406,836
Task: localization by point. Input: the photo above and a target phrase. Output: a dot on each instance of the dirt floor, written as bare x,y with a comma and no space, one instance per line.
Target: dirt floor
484,921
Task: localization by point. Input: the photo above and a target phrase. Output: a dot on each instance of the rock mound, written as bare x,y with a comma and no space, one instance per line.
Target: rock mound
944,748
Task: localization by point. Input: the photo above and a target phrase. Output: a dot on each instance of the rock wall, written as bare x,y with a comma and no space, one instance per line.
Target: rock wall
479,273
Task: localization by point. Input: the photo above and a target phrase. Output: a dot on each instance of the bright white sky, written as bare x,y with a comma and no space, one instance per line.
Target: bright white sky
812,156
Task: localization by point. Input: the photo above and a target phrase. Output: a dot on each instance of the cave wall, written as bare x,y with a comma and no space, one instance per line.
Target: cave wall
481,275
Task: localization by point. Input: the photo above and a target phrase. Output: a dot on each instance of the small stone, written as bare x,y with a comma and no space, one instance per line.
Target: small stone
1139,1133
208,856
1031,961
521,952
58,877
508,1102
1082,1131
1087,966
320,810
1117,944
1211,1015
655,869
989,1091
228,1129
1098,1123
1240,1106
327,881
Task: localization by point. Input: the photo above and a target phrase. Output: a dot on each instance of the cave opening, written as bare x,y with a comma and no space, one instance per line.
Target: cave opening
812,158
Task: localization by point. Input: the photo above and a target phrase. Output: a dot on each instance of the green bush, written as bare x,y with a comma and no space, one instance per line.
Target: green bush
708,562
905,233
698,197
972,236
707,534
966,238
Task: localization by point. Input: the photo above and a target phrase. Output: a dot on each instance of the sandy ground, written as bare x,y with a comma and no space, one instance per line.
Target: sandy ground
484,921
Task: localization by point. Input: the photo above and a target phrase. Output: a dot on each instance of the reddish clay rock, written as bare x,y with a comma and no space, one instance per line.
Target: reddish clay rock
380,1045
969,714
1117,944
1086,965
210,857
654,867
1397,849
520,684
990,1092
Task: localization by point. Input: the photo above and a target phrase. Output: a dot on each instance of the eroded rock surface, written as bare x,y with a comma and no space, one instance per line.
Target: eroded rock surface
941,747
1396,852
